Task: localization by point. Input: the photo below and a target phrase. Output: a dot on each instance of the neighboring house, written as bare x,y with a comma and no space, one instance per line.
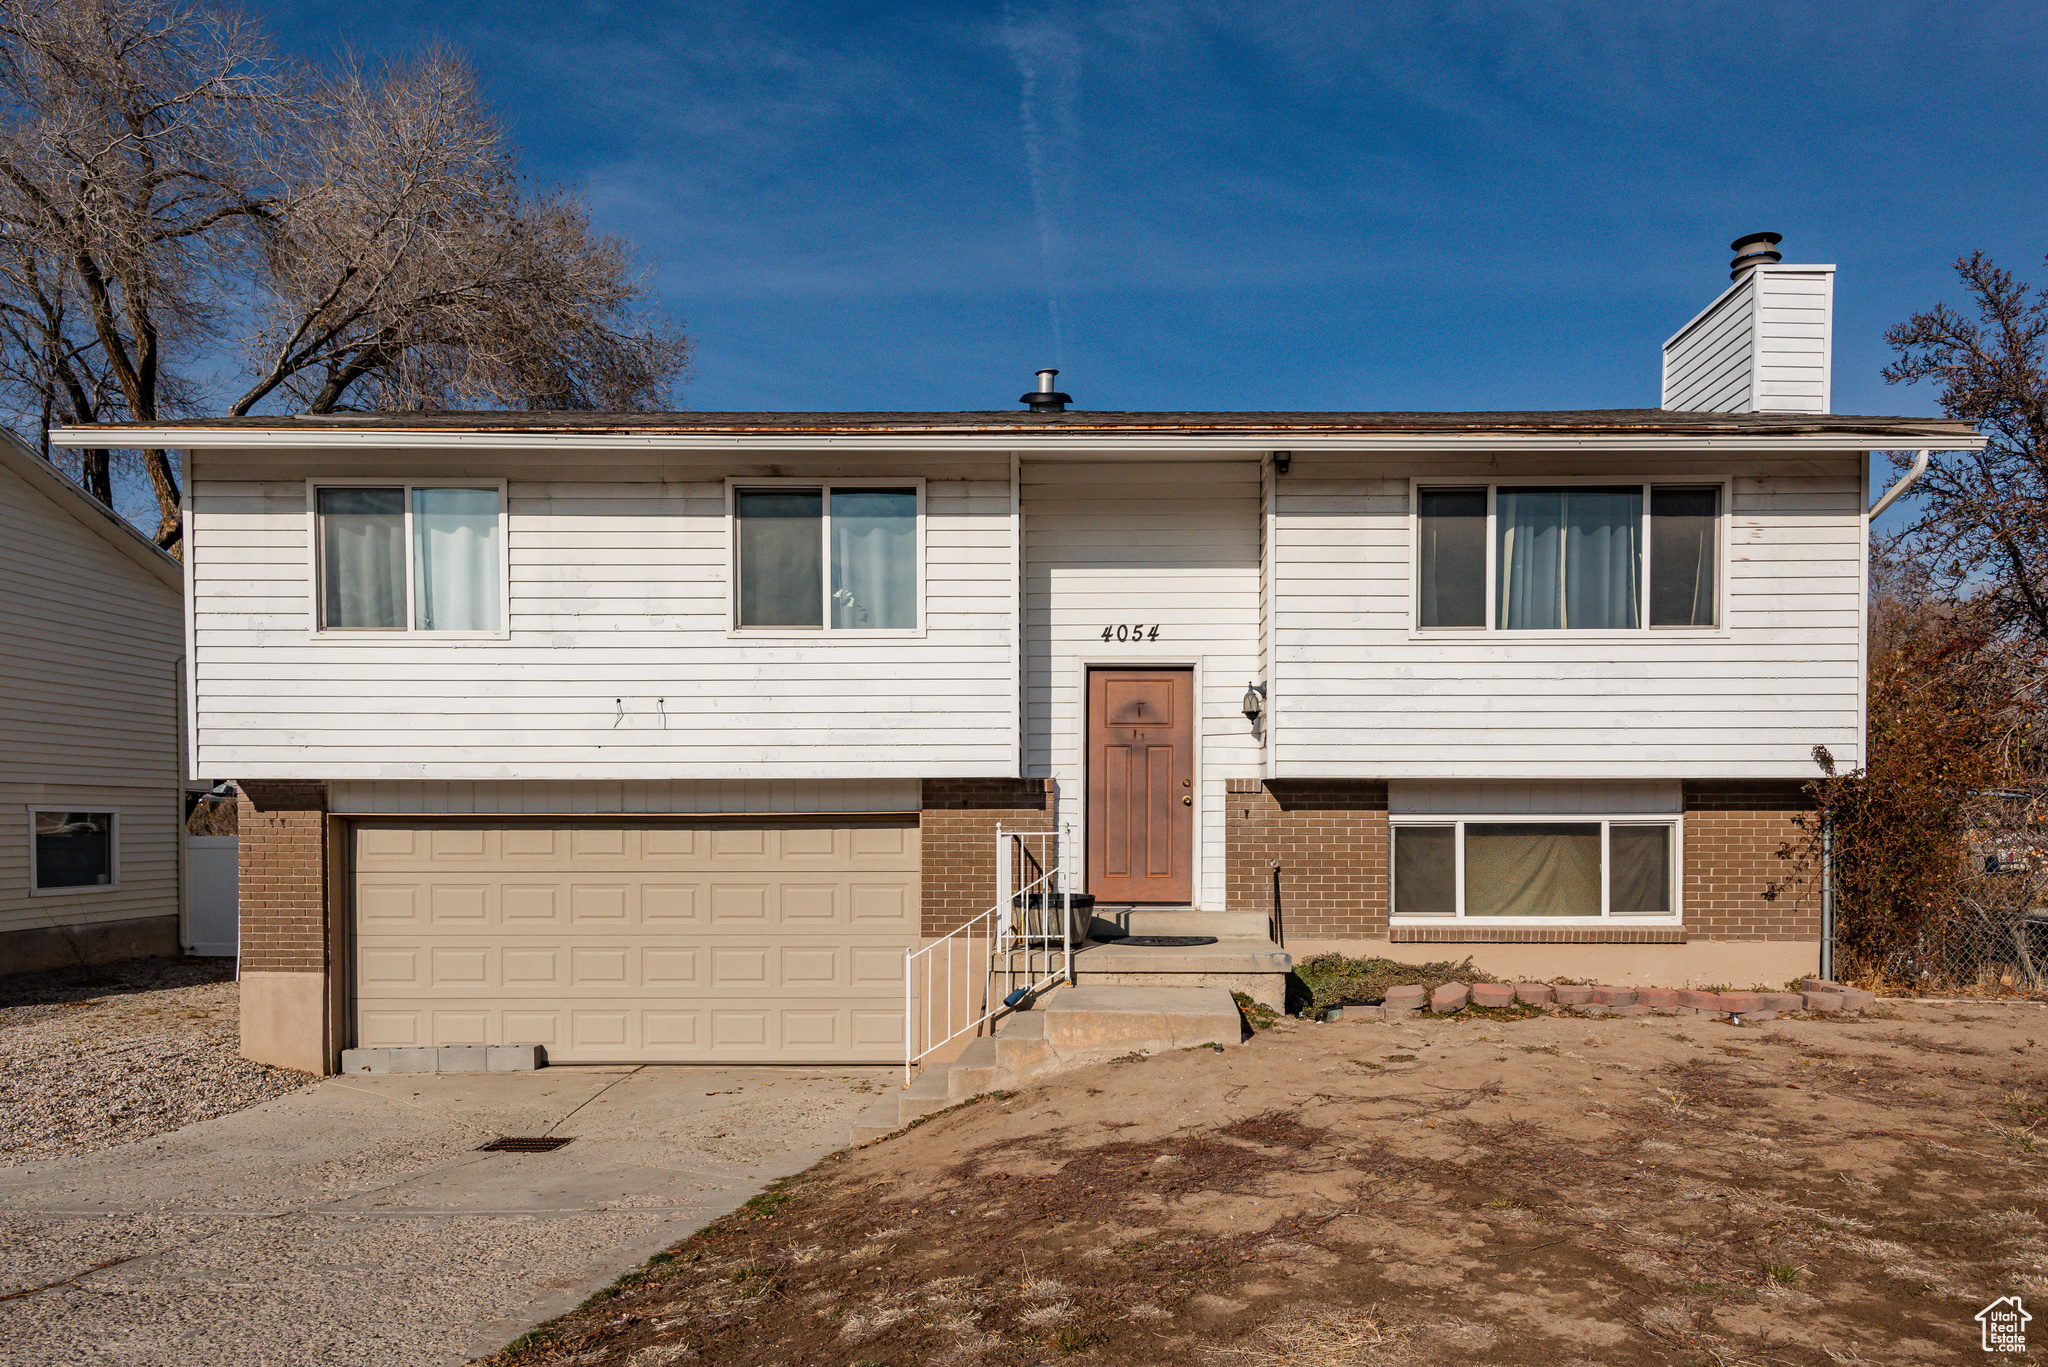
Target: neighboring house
92,789
662,737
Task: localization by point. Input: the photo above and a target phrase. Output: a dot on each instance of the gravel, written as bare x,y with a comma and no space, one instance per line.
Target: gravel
96,1057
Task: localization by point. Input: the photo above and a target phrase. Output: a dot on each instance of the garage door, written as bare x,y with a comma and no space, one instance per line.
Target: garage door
656,941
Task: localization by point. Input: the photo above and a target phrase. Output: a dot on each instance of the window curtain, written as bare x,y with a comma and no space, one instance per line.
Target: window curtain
362,559
874,558
455,550
781,557
1569,559
1532,868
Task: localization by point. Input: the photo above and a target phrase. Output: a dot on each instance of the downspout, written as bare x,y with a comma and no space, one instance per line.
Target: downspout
1892,495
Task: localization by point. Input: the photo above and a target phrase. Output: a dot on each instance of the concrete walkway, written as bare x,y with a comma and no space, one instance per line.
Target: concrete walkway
353,1222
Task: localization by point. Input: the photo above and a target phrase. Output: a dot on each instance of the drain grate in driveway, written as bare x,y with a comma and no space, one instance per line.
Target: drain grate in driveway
525,1144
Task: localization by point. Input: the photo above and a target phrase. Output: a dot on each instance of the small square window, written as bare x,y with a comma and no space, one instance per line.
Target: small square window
73,850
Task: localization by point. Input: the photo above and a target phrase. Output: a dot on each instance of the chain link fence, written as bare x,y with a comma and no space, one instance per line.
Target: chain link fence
1990,937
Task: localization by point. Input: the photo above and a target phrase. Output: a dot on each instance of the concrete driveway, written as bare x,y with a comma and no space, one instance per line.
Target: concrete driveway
354,1221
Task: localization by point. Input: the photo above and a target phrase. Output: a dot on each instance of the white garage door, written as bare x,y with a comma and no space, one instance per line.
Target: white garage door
654,941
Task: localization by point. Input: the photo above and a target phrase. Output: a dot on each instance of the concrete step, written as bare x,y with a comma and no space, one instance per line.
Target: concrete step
1086,1023
975,1071
1255,967
933,1091
882,1117
1228,925
1021,1047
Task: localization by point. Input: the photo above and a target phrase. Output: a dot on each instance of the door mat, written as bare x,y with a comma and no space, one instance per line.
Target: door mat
1166,941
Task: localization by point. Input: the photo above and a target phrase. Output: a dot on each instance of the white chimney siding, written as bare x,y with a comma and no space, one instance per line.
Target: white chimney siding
1764,346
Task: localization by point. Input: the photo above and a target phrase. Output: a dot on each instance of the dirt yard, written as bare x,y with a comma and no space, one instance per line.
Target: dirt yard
1486,1189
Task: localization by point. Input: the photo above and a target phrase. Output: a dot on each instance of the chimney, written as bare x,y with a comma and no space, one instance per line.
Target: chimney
1765,346
1046,399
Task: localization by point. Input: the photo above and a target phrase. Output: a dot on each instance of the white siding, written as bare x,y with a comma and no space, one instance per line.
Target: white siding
1793,309
1764,346
1172,544
1707,366
1360,694
89,644
619,593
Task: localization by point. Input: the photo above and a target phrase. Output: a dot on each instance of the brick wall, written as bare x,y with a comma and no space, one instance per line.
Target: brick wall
1733,832
957,833
283,868
1330,840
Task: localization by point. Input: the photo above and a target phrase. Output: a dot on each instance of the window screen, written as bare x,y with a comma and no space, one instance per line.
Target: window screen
74,849
1451,570
362,559
874,558
1425,871
781,553
1682,556
1568,559
1639,883
1532,868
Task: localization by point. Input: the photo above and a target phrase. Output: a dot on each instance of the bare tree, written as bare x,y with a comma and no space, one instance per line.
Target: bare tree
359,237
412,272
1985,518
129,131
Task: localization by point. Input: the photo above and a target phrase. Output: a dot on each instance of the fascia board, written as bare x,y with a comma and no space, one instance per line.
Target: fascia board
1066,446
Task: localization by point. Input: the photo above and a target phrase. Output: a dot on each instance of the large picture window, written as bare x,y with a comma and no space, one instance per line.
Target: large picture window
826,557
72,851
410,557
1579,868
1568,557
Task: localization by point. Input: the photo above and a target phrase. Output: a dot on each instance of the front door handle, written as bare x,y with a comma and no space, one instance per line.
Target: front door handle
1187,802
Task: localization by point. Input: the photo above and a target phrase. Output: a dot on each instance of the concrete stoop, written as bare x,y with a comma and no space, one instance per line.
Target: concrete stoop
1070,1028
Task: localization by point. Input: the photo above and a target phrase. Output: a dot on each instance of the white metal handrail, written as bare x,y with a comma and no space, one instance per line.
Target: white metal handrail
1029,865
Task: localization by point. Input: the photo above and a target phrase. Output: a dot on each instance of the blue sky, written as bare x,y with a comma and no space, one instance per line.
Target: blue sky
1283,204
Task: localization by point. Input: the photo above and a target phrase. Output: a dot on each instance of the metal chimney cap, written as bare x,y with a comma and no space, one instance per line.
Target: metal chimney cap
1756,249
1046,399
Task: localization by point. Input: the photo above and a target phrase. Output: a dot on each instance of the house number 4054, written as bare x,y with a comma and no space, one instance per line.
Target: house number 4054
1131,633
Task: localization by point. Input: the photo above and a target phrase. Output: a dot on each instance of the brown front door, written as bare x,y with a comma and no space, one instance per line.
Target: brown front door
1141,785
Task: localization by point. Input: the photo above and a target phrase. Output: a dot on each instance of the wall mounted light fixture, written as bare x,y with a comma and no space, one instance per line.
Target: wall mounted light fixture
1254,702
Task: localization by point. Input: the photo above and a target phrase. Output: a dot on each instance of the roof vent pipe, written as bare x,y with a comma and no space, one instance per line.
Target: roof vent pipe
1046,399
1758,249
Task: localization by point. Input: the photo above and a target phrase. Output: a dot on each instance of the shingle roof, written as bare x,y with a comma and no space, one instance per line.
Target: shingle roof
1616,420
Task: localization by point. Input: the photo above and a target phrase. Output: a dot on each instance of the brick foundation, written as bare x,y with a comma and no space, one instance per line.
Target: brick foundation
1329,841
292,1012
283,871
957,833
1733,832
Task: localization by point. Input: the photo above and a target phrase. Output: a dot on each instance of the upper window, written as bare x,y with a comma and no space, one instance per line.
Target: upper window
1567,557
72,850
410,557
827,557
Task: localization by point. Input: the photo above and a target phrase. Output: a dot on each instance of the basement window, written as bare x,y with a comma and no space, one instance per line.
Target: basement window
1568,557
827,557
1540,871
72,851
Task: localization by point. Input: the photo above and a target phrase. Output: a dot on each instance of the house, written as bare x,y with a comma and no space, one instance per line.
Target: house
665,736
92,784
